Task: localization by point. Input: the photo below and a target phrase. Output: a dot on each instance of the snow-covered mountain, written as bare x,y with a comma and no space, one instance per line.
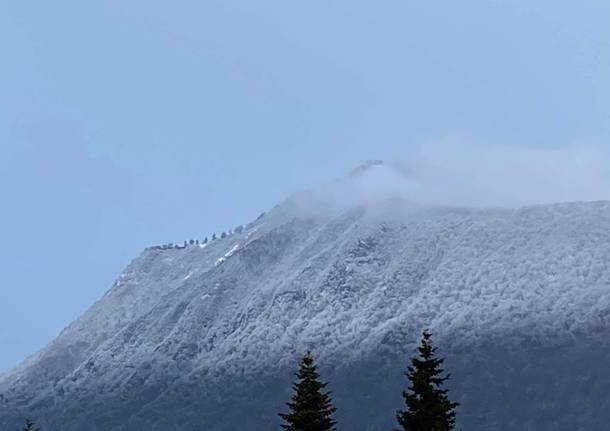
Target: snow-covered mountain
207,337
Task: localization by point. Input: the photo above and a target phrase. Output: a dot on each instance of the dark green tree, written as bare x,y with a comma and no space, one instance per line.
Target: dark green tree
428,404
311,408
29,426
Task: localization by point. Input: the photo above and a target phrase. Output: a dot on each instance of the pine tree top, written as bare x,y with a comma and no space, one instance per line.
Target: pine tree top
311,409
29,426
427,402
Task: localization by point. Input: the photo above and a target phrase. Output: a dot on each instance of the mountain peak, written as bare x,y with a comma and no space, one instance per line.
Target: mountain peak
366,167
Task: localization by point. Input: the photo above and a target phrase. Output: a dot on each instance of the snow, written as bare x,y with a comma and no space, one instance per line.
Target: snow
227,255
343,285
451,270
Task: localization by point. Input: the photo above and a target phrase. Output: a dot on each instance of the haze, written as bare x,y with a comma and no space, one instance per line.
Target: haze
127,124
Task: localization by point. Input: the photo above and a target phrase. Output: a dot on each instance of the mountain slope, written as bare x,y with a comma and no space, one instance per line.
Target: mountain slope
207,338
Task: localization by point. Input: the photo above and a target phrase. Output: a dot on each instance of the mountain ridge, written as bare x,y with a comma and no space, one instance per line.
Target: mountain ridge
356,286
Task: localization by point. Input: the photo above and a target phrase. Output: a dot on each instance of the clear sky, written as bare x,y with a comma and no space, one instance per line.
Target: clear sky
130,123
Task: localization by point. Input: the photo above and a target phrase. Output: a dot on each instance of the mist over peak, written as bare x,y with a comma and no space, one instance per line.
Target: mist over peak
466,174
457,174
366,167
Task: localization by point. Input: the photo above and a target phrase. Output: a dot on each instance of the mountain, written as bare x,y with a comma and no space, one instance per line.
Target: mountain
206,337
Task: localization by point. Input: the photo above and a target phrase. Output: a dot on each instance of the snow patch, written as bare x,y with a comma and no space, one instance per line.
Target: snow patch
227,255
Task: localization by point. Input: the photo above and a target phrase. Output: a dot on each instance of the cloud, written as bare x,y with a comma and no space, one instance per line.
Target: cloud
465,174
456,173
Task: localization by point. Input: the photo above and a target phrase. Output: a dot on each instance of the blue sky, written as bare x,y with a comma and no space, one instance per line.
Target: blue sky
130,123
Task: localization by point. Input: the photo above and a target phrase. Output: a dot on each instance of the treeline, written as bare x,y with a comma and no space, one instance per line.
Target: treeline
427,406
196,242
193,242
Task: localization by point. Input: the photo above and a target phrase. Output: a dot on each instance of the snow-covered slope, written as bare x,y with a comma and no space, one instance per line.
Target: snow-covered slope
206,338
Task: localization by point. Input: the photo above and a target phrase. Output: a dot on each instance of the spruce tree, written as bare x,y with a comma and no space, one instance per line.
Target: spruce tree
29,426
311,408
428,404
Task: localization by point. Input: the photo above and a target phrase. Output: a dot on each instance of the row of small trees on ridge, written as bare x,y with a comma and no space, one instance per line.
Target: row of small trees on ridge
193,242
238,229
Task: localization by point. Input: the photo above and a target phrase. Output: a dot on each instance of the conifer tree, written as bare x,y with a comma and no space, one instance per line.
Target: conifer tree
311,408
29,426
428,404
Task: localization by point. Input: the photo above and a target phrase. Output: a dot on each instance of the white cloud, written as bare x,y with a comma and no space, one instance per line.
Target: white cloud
458,173
455,173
